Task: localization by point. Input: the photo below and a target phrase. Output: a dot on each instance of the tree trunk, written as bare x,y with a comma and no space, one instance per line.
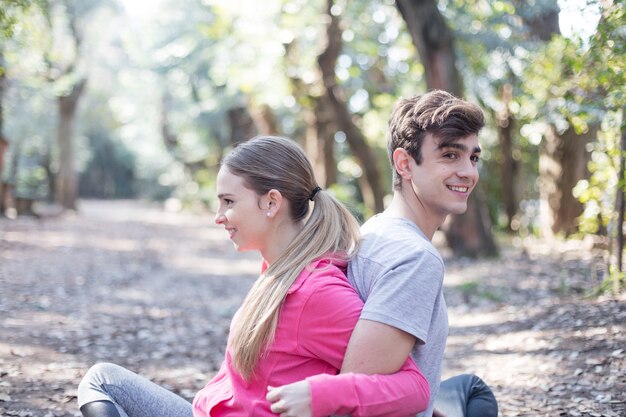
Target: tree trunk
170,139
541,26
434,42
7,184
320,127
51,176
508,164
4,188
469,234
67,178
4,144
371,187
66,181
620,205
320,142
2,87
3,141
242,125
562,163
563,158
265,121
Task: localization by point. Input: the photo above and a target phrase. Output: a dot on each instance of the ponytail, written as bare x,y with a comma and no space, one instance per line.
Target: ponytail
330,231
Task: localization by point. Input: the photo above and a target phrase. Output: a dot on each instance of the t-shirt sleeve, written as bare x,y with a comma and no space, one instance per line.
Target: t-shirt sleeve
327,320
404,296
403,393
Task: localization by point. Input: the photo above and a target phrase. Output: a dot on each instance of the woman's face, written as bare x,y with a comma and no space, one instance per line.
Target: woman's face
240,213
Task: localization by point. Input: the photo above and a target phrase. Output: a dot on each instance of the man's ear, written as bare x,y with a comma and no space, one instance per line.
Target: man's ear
272,201
402,163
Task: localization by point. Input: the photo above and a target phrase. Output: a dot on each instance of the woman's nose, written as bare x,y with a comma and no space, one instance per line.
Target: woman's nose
219,218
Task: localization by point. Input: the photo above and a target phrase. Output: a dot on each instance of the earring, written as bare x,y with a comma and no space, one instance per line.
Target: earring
269,213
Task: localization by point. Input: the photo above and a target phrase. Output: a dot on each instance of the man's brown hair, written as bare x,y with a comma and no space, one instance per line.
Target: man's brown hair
437,112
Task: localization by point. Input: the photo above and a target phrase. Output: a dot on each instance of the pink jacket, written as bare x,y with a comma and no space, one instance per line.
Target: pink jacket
314,327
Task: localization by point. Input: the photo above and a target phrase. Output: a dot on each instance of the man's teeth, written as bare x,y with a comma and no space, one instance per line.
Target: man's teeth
459,189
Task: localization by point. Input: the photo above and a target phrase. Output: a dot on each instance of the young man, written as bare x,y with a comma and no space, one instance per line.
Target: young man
434,151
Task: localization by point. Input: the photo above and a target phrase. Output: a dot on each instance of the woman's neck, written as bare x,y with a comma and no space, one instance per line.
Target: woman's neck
279,240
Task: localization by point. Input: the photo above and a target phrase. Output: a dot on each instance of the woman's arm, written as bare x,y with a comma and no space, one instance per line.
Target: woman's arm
403,393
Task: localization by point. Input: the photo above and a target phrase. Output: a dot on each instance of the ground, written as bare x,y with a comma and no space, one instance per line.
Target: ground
154,291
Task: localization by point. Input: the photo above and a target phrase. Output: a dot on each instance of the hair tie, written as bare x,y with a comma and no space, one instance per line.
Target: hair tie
314,193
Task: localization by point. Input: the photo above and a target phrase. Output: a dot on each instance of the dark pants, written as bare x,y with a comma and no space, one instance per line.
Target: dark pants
466,396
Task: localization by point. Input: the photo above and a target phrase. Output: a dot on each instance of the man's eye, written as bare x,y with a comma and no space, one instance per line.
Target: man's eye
475,158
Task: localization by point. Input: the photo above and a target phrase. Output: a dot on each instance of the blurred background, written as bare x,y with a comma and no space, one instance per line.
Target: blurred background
139,99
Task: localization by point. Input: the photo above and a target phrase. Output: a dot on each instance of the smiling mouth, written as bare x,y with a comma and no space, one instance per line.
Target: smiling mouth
457,188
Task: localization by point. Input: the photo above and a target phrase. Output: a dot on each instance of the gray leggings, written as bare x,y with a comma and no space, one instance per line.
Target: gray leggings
133,395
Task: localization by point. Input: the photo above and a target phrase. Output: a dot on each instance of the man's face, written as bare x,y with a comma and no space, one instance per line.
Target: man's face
447,175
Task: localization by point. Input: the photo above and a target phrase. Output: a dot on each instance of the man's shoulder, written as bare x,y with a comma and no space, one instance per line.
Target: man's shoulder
389,239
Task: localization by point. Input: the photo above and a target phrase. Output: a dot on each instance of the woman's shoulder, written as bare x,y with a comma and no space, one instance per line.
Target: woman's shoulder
320,273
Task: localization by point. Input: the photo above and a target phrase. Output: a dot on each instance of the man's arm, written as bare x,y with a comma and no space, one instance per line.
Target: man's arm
377,348
374,348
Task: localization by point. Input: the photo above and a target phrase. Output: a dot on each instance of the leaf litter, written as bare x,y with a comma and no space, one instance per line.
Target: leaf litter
154,291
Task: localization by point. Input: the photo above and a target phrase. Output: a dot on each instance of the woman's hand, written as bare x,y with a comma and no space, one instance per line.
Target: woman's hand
292,400
437,413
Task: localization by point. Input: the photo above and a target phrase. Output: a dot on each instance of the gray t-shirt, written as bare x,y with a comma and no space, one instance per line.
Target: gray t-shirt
399,275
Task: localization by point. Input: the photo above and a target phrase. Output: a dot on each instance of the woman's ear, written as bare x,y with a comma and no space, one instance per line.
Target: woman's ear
272,201
402,163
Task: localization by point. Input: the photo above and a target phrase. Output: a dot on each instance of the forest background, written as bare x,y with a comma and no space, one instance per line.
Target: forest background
104,101
108,99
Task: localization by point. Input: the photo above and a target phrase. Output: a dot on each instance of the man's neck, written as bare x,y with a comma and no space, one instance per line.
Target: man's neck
407,206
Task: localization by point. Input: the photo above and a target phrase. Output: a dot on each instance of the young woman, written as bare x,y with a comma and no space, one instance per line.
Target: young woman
296,320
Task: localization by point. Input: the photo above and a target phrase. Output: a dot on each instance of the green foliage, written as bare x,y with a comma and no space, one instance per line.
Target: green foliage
29,121
346,192
109,171
187,63
497,51
564,83
601,74
11,11
598,193
473,289
30,180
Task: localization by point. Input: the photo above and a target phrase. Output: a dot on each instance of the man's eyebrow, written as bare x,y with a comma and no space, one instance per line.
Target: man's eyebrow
459,146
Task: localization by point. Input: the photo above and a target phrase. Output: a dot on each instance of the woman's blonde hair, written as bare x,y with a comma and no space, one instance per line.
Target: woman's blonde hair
266,163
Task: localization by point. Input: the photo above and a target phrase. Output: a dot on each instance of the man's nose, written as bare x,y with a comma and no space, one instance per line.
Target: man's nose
469,170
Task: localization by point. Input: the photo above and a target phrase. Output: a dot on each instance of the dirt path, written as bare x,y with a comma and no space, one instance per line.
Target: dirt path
154,291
